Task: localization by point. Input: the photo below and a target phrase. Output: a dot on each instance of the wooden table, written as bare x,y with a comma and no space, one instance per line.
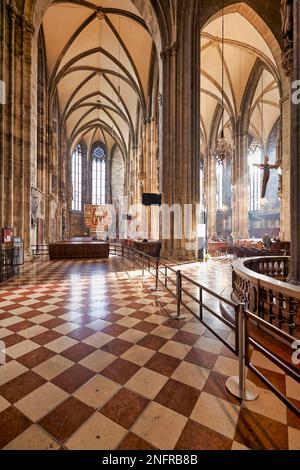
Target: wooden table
78,249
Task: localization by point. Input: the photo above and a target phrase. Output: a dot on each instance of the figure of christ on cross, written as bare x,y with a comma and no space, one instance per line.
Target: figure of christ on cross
266,175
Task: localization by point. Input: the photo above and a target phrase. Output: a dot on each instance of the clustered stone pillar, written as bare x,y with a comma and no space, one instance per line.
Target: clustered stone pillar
211,185
2,110
181,133
285,216
240,221
15,107
295,154
148,173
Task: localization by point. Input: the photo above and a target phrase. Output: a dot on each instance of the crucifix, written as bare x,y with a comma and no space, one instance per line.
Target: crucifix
266,175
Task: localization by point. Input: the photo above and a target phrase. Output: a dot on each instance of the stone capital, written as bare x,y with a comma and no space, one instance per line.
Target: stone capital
169,51
100,14
287,60
12,11
28,26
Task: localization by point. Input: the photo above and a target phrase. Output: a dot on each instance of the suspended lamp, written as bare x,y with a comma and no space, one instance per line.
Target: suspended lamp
223,148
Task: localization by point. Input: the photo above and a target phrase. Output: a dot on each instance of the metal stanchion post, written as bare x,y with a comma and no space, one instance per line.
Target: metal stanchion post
166,276
156,277
142,265
178,315
200,304
238,385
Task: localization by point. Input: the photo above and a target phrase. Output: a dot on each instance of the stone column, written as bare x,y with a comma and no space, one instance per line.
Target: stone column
240,215
154,211
2,109
295,154
285,215
30,146
148,171
211,196
181,136
15,121
19,153
9,156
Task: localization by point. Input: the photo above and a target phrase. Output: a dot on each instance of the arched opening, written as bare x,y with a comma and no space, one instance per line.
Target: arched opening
241,91
100,87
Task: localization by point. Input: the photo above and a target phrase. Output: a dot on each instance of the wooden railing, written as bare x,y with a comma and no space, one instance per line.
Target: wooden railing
261,284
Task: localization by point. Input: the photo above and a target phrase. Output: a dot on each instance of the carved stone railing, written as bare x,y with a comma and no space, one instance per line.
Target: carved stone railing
260,284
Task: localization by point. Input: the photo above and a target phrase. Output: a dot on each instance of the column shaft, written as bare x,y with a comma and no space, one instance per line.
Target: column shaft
295,155
240,183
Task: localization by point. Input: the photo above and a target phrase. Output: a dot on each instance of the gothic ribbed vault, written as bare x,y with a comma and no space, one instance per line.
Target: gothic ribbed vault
98,62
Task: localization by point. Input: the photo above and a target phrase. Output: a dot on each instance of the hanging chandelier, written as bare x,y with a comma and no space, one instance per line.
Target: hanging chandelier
223,148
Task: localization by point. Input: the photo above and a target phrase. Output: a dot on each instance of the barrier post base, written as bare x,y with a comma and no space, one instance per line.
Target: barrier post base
178,317
250,393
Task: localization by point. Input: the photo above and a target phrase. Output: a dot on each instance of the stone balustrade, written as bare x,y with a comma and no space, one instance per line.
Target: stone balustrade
261,283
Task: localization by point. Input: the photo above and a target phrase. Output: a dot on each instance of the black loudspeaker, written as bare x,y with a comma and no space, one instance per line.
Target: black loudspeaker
151,199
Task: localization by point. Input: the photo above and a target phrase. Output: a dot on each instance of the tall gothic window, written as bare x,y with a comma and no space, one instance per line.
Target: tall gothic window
77,178
254,157
98,174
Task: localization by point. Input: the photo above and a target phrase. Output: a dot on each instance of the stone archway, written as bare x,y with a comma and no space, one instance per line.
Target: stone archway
34,12
265,31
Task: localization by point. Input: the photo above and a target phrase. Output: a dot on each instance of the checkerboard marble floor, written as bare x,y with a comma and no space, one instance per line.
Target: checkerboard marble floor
94,361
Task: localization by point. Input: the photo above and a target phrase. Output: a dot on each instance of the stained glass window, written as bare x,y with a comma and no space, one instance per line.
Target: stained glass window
98,174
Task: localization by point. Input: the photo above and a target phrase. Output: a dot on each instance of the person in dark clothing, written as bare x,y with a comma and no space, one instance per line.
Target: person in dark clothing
267,241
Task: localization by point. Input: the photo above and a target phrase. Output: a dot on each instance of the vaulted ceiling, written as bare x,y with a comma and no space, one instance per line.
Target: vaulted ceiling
98,59
245,51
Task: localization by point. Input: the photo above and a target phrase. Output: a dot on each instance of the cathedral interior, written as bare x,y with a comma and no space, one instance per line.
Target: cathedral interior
149,225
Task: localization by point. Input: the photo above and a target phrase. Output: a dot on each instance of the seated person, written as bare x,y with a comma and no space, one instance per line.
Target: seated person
267,242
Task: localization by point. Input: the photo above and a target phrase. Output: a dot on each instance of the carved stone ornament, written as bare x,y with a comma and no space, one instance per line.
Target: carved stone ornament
63,221
169,51
34,209
63,191
286,11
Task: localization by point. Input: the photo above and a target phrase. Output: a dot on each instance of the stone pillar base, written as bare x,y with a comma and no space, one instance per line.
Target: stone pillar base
179,254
